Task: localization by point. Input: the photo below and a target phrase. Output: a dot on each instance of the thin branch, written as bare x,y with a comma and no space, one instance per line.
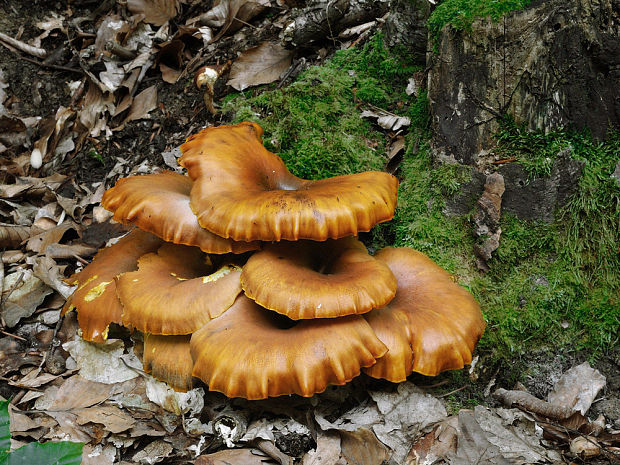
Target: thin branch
19,45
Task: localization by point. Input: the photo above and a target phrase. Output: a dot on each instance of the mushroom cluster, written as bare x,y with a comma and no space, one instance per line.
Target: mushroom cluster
253,280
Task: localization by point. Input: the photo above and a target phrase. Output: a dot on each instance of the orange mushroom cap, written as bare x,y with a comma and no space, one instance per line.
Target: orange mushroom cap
318,279
95,297
173,293
248,352
245,192
432,325
169,360
159,204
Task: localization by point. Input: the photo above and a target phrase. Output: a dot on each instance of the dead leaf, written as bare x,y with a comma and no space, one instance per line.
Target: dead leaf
397,418
514,434
143,103
395,154
12,236
111,26
77,393
577,388
387,120
155,12
98,454
113,76
96,105
234,456
33,380
112,418
155,452
259,65
102,362
49,24
327,450
69,251
26,294
67,428
46,269
362,446
40,242
173,401
168,74
436,445
473,445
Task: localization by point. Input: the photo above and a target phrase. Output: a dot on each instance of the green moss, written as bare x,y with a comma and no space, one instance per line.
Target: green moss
461,14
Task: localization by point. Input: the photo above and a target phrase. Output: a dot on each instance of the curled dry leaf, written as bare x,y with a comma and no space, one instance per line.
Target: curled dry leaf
144,102
387,120
259,65
230,15
155,12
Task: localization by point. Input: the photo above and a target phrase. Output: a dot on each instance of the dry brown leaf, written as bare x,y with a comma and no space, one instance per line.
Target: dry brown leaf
143,103
112,418
362,446
40,242
46,269
155,12
24,293
34,380
12,235
237,456
259,65
77,393
69,251
168,74
436,445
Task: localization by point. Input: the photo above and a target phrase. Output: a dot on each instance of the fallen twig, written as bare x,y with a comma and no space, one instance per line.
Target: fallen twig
48,65
13,336
21,46
533,404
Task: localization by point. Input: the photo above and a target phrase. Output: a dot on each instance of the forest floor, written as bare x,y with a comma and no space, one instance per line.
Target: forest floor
96,116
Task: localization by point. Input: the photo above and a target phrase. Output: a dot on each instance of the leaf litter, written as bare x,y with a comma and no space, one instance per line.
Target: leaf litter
51,225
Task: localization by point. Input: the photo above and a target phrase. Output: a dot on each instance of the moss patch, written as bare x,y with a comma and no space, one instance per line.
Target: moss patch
461,14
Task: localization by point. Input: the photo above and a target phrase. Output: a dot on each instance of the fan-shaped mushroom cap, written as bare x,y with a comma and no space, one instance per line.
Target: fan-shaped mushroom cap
173,293
159,204
169,360
245,192
432,325
247,353
318,279
95,297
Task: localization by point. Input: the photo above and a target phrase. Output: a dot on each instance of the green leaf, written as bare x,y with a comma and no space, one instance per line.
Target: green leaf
49,453
5,433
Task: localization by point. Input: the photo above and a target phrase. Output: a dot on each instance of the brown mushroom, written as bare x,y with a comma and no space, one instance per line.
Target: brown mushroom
310,279
95,297
253,353
432,325
159,204
174,292
169,360
245,192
